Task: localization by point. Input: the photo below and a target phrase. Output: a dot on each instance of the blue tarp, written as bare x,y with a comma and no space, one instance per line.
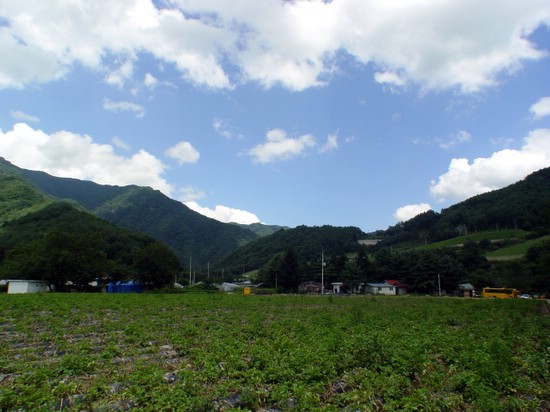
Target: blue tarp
125,287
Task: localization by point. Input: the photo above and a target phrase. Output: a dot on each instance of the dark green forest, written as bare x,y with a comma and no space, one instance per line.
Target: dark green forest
306,242
523,205
291,256
189,234
69,230
423,271
70,249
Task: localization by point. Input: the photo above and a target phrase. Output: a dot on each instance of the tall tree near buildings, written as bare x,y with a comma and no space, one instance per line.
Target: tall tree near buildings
290,270
268,274
156,265
364,265
472,257
72,257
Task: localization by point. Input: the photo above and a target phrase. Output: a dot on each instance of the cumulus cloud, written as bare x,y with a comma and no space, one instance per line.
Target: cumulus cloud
124,107
409,211
390,78
121,144
183,152
150,81
330,144
189,194
121,74
279,146
459,44
465,179
24,117
541,108
223,128
67,154
225,214
457,138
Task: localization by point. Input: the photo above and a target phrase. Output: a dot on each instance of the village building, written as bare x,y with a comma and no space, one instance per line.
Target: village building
466,290
388,287
27,286
337,287
309,287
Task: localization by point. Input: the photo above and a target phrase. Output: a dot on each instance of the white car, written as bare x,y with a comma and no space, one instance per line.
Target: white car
525,296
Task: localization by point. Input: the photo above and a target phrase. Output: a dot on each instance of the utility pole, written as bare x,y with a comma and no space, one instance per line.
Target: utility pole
322,271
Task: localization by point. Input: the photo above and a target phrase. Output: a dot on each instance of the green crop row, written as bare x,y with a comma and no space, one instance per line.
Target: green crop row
206,352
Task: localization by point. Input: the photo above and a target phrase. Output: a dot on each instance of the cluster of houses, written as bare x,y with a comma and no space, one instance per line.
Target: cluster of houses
36,286
388,287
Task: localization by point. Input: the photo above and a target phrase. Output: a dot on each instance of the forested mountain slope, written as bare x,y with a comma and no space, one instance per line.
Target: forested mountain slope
307,242
60,243
523,205
188,233
17,198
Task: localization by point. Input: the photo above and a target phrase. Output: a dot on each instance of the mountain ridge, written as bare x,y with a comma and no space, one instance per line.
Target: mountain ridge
202,240
189,234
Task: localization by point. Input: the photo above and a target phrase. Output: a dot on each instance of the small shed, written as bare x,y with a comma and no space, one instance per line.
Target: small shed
229,287
337,287
467,290
125,287
27,286
309,287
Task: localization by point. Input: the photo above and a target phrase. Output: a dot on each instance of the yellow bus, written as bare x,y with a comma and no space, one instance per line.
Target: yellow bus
501,293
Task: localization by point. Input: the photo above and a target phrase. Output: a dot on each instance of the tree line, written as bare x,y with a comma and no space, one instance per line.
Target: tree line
70,248
423,271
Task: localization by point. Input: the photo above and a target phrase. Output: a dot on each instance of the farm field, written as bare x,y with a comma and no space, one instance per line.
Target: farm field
214,352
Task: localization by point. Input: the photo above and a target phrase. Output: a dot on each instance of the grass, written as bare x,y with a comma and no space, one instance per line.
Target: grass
213,352
516,250
503,235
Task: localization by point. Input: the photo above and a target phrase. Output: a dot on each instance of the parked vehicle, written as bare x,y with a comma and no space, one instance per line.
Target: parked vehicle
526,296
500,293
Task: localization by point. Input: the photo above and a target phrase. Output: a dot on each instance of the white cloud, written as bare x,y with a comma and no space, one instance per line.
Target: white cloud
541,108
120,75
183,152
24,117
279,146
331,144
465,179
409,211
189,194
150,81
225,214
390,78
116,107
461,136
459,44
67,154
222,127
121,144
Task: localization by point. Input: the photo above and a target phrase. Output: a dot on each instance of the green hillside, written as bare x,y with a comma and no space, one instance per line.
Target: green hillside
189,234
510,227
260,229
524,205
307,243
60,243
18,199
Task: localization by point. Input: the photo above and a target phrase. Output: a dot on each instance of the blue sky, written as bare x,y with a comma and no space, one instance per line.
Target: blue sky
344,112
